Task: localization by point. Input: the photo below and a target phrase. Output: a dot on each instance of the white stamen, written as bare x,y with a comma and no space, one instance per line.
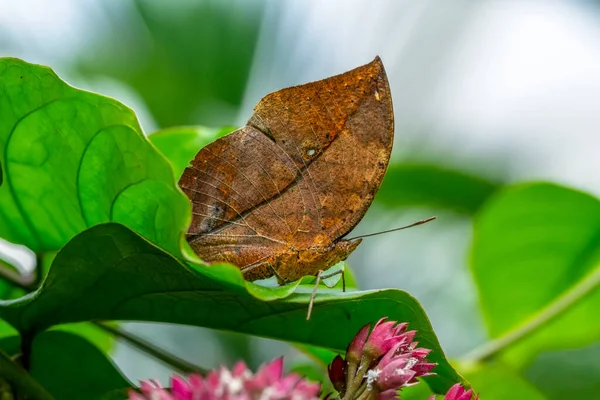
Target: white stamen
235,386
267,394
411,363
231,384
372,376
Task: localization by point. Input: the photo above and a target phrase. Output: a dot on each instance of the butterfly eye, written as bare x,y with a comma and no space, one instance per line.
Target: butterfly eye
310,152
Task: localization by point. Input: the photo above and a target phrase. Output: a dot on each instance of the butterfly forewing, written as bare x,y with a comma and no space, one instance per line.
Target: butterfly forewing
298,177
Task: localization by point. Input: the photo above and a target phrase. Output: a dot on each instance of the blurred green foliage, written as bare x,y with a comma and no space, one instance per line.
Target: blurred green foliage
181,144
189,63
497,382
533,245
436,186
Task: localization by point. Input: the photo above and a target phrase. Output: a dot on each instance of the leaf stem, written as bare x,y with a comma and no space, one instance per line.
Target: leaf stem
545,316
178,363
26,347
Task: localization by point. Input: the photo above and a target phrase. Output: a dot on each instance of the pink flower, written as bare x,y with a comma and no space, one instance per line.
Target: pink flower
356,346
457,392
268,383
379,364
385,335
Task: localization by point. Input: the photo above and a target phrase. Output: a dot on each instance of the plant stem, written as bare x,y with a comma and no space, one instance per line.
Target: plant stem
171,360
21,380
26,347
546,315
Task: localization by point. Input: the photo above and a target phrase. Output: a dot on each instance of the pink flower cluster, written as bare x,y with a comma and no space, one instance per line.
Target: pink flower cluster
379,364
239,384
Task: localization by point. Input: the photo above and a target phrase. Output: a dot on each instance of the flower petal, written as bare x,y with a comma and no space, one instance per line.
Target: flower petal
389,394
355,348
457,392
180,388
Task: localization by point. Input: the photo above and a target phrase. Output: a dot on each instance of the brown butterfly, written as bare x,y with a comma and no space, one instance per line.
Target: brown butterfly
277,196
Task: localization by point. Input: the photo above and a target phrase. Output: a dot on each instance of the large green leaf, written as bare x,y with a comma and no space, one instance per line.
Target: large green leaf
11,345
70,367
89,331
577,378
118,394
73,159
147,284
536,260
10,341
181,144
416,392
431,185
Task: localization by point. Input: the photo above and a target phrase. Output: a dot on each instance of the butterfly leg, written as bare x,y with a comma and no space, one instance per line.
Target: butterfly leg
338,272
320,276
313,295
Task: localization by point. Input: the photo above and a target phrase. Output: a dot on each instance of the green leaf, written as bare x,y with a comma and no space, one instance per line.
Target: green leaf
431,185
181,144
10,341
318,354
92,333
119,394
536,262
11,345
70,367
6,329
147,284
21,380
73,159
416,392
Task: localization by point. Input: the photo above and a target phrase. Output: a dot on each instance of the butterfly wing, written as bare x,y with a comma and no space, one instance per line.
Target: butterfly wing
300,174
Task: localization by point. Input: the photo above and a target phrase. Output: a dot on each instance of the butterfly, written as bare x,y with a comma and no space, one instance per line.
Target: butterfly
277,196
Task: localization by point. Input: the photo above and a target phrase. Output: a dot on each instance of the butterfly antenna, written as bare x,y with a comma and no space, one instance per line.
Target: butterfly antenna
421,222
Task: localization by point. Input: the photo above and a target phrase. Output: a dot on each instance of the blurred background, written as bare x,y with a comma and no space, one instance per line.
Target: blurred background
488,92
